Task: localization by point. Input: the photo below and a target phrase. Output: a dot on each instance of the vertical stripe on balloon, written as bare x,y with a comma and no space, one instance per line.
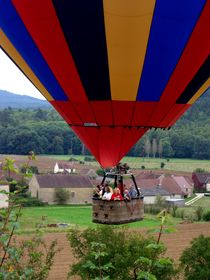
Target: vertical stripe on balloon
127,26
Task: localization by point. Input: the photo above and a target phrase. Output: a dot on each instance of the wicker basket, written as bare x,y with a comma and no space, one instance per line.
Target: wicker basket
117,212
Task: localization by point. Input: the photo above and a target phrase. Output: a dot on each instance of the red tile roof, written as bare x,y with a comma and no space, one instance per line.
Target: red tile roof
166,182
63,181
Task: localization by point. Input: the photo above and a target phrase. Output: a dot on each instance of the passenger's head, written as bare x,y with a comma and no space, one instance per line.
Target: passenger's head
107,189
116,191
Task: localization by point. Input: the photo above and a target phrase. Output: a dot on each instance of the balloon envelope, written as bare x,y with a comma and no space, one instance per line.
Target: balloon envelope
113,68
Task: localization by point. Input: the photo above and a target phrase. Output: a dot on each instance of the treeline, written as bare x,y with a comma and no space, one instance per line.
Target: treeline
44,132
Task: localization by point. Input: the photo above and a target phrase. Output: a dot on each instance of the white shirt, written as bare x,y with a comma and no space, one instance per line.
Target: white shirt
107,196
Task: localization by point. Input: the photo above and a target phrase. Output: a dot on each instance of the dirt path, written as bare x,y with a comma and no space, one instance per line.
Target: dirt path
175,242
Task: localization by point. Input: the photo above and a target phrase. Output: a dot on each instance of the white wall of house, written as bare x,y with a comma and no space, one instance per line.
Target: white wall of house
208,187
33,187
4,197
60,170
57,169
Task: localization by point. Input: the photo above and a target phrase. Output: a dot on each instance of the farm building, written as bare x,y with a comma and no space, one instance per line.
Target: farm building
175,186
64,168
79,187
201,181
150,194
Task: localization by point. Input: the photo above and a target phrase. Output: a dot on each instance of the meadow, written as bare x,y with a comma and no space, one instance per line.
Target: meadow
190,210
39,217
178,165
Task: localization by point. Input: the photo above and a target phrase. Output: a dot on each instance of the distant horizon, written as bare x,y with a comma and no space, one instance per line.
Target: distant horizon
14,81
26,95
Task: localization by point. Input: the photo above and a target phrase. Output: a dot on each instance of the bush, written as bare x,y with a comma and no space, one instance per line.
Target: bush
122,252
61,196
100,172
72,159
162,164
195,260
180,213
30,259
200,170
174,210
32,202
206,216
142,167
89,158
199,213
152,209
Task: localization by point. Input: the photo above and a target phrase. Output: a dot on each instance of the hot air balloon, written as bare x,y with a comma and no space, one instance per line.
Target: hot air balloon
112,68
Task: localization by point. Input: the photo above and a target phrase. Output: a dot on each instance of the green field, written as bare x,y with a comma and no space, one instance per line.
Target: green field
204,202
34,217
182,165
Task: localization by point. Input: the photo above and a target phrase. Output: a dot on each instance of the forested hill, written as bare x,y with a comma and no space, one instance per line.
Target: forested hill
44,132
8,99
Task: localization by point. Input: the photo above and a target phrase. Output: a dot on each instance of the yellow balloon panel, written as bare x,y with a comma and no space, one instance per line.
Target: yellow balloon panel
201,90
127,31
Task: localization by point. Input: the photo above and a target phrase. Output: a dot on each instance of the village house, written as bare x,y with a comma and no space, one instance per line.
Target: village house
201,181
64,168
152,185
150,194
79,187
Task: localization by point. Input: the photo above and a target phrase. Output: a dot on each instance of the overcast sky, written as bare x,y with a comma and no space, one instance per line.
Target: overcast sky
12,79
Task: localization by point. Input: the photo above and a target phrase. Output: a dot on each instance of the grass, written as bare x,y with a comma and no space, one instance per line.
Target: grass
74,215
181,165
204,202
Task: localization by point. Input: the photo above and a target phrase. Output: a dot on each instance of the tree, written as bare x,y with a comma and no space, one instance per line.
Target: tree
57,145
167,149
154,147
160,148
147,147
61,195
125,255
9,166
195,260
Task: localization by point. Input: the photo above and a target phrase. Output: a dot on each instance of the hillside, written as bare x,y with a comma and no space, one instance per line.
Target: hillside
8,99
43,131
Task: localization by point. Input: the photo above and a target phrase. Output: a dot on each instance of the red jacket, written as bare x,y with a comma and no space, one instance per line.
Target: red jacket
116,196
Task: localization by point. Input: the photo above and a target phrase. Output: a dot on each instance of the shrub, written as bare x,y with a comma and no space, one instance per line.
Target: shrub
61,196
122,254
100,172
199,170
180,213
206,216
160,201
199,213
162,164
29,169
89,158
142,167
31,202
195,260
29,259
174,210
72,159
